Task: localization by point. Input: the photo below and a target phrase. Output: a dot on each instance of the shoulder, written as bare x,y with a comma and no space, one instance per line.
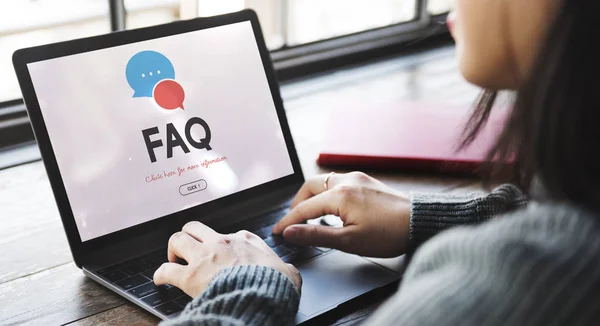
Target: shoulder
547,226
526,265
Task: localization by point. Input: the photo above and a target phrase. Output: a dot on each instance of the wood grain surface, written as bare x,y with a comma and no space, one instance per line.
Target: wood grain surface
39,284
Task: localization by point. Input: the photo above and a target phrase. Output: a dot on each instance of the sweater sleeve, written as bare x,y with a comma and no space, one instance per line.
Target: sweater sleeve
243,295
432,213
536,266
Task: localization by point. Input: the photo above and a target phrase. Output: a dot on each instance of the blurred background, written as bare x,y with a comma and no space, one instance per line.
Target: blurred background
285,23
305,37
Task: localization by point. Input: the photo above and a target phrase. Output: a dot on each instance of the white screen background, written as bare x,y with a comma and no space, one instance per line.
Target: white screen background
95,127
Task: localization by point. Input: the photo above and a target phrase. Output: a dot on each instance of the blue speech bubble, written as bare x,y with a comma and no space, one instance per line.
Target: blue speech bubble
145,69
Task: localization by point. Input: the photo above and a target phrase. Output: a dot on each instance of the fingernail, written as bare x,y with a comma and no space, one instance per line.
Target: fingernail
291,231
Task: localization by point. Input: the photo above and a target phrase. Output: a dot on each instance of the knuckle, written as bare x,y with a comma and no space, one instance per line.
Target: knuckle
174,238
360,176
245,234
190,224
344,191
346,240
313,231
225,240
308,232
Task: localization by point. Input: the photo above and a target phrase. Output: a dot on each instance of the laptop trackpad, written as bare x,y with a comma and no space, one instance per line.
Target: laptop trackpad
336,278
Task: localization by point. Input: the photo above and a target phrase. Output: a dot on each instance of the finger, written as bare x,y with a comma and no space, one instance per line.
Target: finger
318,235
251,238
182,245
200,231
317,206
314,186
170,273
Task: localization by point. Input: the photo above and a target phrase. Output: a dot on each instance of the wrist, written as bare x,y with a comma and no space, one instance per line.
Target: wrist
249,278
402,216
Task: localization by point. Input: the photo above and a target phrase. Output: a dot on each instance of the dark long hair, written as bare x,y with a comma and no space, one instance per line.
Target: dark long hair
554,127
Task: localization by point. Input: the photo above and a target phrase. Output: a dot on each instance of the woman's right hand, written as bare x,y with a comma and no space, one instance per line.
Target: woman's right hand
376,218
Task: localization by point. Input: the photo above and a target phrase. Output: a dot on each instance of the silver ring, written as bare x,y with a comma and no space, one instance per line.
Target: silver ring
326,183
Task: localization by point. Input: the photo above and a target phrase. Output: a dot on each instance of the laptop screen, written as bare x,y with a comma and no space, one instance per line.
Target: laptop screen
151,128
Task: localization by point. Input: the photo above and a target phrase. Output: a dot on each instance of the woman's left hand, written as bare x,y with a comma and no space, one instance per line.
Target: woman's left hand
208,252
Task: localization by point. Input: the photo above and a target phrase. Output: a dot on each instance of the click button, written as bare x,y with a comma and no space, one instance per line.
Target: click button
192,187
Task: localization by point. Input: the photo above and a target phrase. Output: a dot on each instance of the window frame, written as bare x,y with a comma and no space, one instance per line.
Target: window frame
290,62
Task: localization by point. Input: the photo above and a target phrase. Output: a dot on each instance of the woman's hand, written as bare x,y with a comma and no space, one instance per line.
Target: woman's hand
376,218
207,252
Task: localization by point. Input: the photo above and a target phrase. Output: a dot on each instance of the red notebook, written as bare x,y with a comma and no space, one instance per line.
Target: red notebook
408,136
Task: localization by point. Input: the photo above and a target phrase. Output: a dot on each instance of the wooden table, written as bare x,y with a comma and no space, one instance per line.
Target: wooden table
40,285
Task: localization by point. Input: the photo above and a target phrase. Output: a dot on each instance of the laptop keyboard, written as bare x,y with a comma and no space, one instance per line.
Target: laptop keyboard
288,252
293,254
135,276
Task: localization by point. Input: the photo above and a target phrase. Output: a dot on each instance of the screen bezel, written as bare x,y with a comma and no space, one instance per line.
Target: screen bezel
23,57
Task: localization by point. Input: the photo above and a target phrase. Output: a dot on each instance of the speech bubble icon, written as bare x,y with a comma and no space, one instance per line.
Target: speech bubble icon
145,69
169,95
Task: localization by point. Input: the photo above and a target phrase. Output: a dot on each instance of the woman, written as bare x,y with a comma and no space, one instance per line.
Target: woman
534,263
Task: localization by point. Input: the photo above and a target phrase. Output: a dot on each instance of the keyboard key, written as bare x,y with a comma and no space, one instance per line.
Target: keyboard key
302,255
156,299
274,241
323,249
114,276
107,269
132,282
158,256
169,308
132,269
183,301
163,295
293,248
149,274
264,232
175,292
281,251
149,264
278,214
144,290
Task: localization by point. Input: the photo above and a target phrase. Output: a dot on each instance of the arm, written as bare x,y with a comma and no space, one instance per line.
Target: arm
259,295
432,213
243,295
380,221
536,267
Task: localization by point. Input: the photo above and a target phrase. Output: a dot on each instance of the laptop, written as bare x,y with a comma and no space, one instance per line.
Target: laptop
144,130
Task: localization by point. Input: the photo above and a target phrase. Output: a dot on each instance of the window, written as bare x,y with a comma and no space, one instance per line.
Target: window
305,36
25,23
314,20
286,23
143,13
437,7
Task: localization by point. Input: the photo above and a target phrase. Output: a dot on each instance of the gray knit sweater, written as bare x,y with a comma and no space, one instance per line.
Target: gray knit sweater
534,264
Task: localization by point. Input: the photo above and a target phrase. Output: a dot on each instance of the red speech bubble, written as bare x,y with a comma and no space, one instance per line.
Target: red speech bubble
169,95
